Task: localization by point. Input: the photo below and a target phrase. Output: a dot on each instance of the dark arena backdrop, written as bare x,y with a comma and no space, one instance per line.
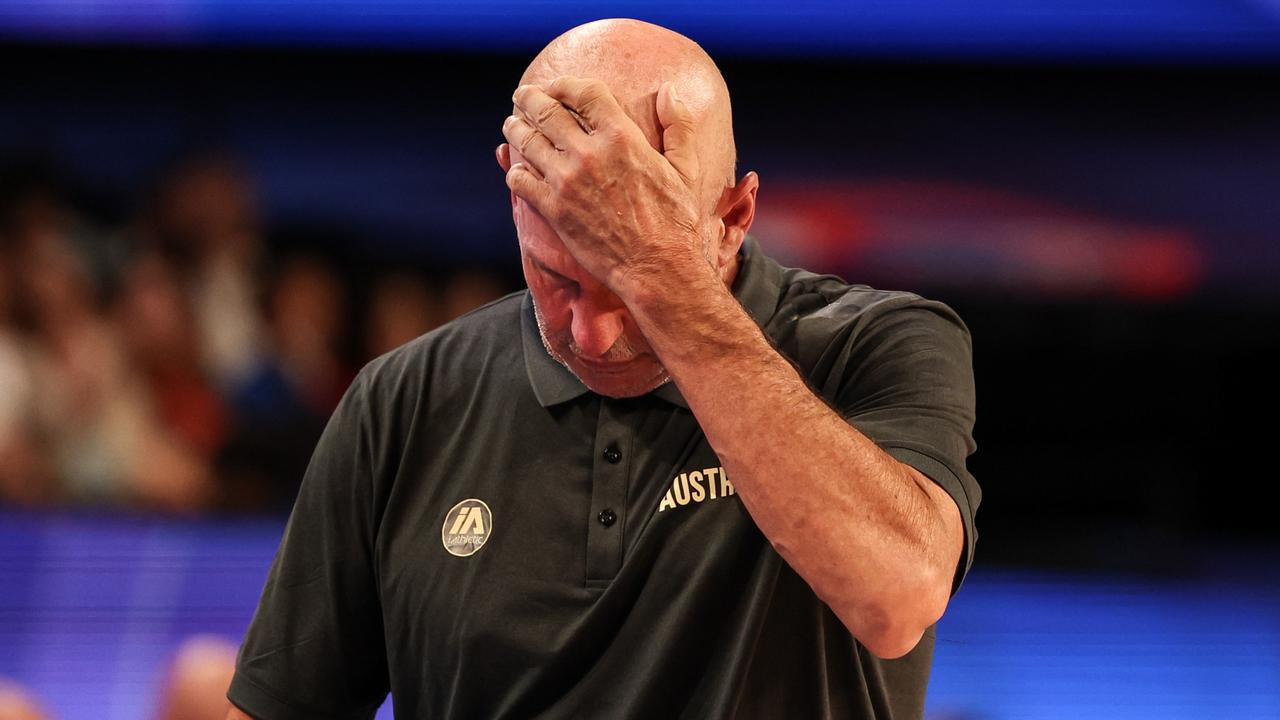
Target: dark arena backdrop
1094,186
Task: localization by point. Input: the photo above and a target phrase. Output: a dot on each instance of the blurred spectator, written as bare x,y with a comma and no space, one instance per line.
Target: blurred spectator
17,704
196,684
468,290
72,380
402,308
282,407
94,420
155,319
150,367
24,476
308,316
185,424
204,217
105,405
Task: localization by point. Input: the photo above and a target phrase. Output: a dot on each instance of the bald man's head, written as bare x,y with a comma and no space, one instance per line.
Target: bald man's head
634,59
584,324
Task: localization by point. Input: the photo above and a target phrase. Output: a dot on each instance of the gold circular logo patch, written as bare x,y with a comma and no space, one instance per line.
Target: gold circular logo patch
466,527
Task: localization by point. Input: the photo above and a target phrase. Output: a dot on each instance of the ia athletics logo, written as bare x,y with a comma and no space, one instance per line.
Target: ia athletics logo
466,527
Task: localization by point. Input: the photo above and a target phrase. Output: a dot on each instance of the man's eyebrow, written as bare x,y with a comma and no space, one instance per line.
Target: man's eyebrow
544,268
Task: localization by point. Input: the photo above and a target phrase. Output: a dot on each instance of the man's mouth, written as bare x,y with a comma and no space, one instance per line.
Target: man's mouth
604,365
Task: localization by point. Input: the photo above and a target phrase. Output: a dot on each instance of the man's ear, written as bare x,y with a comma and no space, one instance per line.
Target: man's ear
503,153
737,210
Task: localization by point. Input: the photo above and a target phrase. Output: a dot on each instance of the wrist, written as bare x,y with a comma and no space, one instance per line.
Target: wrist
678,275
692,317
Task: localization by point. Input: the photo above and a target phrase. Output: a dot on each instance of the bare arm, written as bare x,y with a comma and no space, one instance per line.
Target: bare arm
875,539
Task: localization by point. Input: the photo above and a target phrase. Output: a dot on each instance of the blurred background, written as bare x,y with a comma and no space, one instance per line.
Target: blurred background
213,212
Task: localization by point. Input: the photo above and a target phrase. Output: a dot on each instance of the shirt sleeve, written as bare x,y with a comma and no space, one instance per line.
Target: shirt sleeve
907,384
315,648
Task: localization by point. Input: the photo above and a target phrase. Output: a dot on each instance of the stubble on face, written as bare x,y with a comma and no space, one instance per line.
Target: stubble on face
558,344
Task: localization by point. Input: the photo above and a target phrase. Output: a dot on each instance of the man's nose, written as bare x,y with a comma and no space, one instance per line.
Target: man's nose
597,325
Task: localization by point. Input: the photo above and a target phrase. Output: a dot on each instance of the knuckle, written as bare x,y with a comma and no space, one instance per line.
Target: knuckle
525,140
560,84
594,93
546,113
587,105
585,165
611,134
568,180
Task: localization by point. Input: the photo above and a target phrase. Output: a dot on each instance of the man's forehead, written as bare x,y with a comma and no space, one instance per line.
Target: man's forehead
548,251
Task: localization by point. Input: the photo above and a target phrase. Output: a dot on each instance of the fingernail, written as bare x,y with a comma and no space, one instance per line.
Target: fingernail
675,97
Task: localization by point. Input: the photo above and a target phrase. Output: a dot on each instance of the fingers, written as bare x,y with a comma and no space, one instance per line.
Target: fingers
678,141
530,142
503,154
530,187
590,99
546,114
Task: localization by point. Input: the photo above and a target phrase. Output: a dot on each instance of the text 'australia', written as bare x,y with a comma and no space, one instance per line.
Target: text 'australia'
697,486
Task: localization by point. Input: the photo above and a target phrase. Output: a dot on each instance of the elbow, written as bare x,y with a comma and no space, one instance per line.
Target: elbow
894,626
892,641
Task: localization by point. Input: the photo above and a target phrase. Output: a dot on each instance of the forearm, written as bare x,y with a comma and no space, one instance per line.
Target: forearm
877,541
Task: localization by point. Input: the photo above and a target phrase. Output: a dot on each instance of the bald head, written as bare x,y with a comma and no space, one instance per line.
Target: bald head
634,59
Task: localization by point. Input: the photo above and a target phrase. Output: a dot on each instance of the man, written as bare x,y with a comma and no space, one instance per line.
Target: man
672,479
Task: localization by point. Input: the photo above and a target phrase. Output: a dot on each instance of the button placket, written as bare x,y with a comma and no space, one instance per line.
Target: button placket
609,481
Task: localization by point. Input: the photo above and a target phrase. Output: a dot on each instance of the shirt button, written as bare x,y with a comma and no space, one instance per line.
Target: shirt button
607,517
613,454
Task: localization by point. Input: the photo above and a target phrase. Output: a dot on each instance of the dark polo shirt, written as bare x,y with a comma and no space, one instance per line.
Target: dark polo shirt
484,538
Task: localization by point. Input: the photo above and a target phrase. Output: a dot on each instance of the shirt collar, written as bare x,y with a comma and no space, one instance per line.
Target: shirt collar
756,288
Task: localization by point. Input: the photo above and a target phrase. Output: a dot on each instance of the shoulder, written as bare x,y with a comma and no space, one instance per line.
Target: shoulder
822,309
456,353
